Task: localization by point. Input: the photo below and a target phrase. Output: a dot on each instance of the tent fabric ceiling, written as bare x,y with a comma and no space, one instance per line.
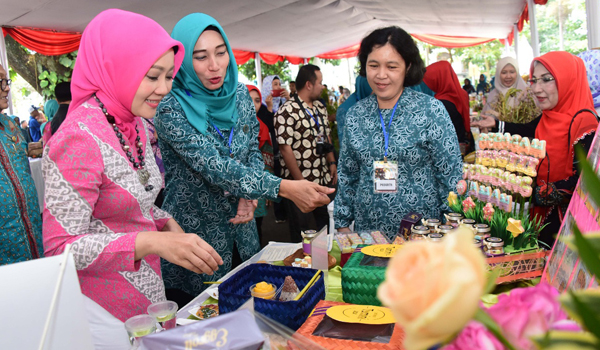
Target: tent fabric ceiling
302,28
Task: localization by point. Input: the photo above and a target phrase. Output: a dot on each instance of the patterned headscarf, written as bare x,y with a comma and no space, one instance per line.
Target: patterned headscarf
591,59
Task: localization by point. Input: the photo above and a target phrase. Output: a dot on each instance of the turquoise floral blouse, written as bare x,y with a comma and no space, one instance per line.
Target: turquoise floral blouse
422,141
203,184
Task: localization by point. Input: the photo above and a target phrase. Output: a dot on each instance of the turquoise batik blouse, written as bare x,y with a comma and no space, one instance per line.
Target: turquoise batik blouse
203,184
423,142
20,217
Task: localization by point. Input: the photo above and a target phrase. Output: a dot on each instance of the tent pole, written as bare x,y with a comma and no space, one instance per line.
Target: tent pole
593,23
535,41
516,41
258,69
4,61
506,47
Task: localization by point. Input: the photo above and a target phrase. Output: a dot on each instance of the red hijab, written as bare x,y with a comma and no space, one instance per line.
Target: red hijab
442,80
263,134
573,95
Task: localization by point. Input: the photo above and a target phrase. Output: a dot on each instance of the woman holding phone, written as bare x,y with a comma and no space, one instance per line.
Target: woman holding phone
273,94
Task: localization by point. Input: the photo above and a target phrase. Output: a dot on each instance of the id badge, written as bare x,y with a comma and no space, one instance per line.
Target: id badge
385,176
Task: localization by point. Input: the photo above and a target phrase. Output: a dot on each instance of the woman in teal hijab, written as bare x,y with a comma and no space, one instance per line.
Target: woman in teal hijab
208,135
362,90
50,109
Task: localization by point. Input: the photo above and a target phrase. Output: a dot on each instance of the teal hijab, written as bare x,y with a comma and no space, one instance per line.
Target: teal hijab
202,106
50,109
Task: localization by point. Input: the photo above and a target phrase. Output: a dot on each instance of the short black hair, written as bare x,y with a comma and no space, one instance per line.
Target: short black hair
63,91
292,82
306,73
404,45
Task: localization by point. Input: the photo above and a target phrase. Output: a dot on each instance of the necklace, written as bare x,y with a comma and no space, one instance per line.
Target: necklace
143,174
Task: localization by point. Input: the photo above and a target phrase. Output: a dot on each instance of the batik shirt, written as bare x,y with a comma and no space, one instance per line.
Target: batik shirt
204,184
96,203
20,221
423,142
296,128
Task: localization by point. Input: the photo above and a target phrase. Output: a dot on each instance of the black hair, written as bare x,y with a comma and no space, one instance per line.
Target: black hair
213,28
306,74
467,80
403,43
292,82
63,91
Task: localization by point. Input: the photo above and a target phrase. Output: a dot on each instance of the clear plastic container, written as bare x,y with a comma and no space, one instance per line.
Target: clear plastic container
267,295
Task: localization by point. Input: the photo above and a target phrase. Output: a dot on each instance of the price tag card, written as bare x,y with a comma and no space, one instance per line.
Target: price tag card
385,176
364,314
381,250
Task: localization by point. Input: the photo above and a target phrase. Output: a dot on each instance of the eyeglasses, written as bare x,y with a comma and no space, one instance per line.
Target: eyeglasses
4,83
544,79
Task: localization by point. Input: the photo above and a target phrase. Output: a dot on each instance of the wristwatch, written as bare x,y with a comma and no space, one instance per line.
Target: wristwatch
333,163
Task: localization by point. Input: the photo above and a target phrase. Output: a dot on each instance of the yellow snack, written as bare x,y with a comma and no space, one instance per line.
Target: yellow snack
263,287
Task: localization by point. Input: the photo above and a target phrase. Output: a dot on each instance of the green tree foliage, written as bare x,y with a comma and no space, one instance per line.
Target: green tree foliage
484,56
282,69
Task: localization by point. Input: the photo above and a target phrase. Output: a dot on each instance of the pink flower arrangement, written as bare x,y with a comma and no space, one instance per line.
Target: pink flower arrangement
475,336
488,212
527,312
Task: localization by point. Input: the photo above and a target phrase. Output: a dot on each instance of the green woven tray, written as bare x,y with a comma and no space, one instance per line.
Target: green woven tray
359,283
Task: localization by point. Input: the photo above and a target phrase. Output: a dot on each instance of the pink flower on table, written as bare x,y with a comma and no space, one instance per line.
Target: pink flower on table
488,212
475,336
527,312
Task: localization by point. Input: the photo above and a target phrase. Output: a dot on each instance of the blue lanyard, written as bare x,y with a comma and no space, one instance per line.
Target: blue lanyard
386,135
313,118
230,138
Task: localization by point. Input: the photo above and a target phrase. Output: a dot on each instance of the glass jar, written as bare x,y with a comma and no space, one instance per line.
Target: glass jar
307,237
436,237
477,242
419,233
453,219
495,246
482,231
445,229
432,224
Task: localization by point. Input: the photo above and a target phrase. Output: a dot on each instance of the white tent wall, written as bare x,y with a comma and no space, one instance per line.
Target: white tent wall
593,23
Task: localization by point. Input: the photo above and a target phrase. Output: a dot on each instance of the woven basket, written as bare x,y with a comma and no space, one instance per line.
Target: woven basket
235,291
359,283
313,321
519,266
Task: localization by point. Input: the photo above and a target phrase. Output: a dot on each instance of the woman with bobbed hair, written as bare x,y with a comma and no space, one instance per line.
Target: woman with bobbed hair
400,151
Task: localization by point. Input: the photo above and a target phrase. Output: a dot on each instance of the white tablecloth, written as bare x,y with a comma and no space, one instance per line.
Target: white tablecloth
35,164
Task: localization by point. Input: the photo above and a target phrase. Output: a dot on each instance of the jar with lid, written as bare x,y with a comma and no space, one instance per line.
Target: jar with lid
432,224
307,237
453,219
436,237
419,233
482,231
477,242
445,229
495,246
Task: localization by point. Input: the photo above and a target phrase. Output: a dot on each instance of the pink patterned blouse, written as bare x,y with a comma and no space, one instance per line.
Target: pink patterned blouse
95,202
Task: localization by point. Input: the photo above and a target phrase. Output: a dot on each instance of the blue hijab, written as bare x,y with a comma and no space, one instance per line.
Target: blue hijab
50,109
201,105
362,90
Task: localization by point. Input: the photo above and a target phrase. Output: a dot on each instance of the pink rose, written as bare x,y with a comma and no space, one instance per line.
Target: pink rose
527,312
433,288
475,337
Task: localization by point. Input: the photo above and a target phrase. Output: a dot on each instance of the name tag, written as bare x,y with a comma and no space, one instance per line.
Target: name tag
385,185
385,176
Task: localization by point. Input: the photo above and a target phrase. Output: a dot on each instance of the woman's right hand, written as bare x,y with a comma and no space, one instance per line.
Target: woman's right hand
305,194
269,102
184,249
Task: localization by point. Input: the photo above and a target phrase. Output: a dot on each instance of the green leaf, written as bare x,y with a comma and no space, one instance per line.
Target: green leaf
588,175
593,238
485,319
53,78
43,83
560,340
491,281
589,297
587,254
43,75
65,61
588,317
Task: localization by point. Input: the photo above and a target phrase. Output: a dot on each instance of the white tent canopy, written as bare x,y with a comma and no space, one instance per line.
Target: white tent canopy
303,28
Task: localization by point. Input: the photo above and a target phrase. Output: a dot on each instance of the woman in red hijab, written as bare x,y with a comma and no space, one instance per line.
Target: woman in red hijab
442,80
265,145
559,82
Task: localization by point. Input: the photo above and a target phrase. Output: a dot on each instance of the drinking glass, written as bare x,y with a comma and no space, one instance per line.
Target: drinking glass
164,312
139,326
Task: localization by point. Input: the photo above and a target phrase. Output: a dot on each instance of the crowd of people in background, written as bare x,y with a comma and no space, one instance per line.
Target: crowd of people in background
160,167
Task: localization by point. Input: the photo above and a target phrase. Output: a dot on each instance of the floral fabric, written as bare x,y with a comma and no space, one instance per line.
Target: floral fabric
204,184
423,142
20,219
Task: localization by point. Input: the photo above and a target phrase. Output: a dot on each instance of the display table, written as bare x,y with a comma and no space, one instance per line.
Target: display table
35,164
